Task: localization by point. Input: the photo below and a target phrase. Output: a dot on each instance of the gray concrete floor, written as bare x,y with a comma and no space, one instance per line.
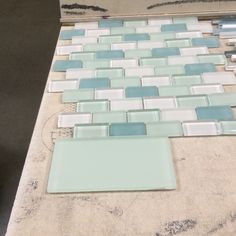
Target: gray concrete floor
29,31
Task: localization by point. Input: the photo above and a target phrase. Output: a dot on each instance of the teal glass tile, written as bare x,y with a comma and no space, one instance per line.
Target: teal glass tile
127,129
147,91
94,83
162,36
178,43
173,90
109,23
110,117
165,129
94,64
210,42
174,27
197,69
136,37
189,19
192,101
229,127
82,56
137,53
134,23
76,95
91,131
217,59
93,106
110,39
144,116
153,61
215,113
68,34
113,164
90,47
63,65
222,99
127,82
123,30
170,70
110,72
186,79
109,54
165,52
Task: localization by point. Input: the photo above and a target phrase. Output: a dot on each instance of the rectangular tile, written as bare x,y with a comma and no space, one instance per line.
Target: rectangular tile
222,99
135,23
109,117
210,42
123,30
123,46
110,72
178,43
110,23
160,21
63,65
110,39
110,54
197,69
174,27
184,19
183,114
82,56
137,53
91,47
127,129
144,116
111,94
148,29
156,81
61,85
153,61
182,60
136,37
97,32
84,40
76,95
93,106
68,34
86,25
159,103
127,104
91,131
193,51
79,73
95,64
165,52
67,49
123,83
139,71
207,89
148,91
216,58
150,44
94,83
124,63
186,79
229,127
170,70
192,101
173,90
204,27
189,34
162,36
225,78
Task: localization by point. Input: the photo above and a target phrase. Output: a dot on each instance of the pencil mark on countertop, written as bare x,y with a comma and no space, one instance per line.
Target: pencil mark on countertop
84,7
77,13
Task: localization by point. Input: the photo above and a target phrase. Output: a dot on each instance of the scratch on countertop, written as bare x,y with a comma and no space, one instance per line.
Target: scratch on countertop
84,7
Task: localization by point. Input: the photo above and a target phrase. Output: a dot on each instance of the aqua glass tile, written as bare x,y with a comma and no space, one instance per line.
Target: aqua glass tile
134,23
110,72
217,59
68,34
215,113
110,117
170,70
197,69
165,129
63,65
162,36
174,27
165,52
123,30
82,56
173,90
178,43
94,64
147,91
90,47
144,116
112,164
186,79
110,39
136,37
93,106
229,127
76,95
94,83
222,99
127,82
109,23
91,131
210,42
189,19
192,101
153,61
137,53
109,54
127,129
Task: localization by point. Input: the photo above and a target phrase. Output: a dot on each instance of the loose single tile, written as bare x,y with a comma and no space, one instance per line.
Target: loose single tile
123,46
80,73
182,60
173,90
222,99
197,69
110,23
204,27
159,103
189,34
124,63
162,36
110,72
215,113
93,106
97,32
139,71
91,47
110,39
156,81
210,42
68,120
123,83
63,65
186,79
68,34
61,85
192,101
144,116
109,117
136,37
67,49
153,61
91,131
178,43
77,95
94,83
148,29
160,21
150,44
127,104
127,129
136,23
83,56
95,64
110,54
183,114
193,51
225,78
86,25
84,40
83,172
229,127
174,27
165,52
217,59
207,89
184,19
111,94
148,91
170,70
123,30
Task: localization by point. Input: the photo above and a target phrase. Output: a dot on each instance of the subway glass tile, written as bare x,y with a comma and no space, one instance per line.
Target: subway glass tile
189,34
110,39
77,95
83,40
80,73
186,79
229,127
137,53
139,71
94,47
67,49
61,85
148,29
111,94
93,106
173,90
159,103
183,114
207,89
153,61
109,117
68,34
123,83
204,27
123,46
174,27
182,60
63,65
148,91
222,99
156,81
197,69
110,72
165,52
217,59
123,30
110,23
223,77
82,56
110,54
160,21
150,44
86,25
193,51
145,116
162,36
189,19
192,101
170,70
134,23
136,37
91,131
94,64
127,104
178,43
210,42
124,63
97,32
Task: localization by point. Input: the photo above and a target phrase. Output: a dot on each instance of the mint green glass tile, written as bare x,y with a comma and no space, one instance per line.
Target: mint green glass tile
170,70
91,131
127,129
112,164
127,82
162,36
153,61
174,27
210,42
229,127
137,53
178,43
68,34
110,54
165,52
147,91
63,65
136,37
186,79
192,101
222,99
134,23
197,69
173,90
109,23
123,30
82,56
110,117
93,106
110,72
217,59
110,39
76,95
90,47
94,64
94,83
189,19
165,129
144,116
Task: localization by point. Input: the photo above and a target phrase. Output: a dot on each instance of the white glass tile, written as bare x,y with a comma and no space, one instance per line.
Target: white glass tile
139,71
67,49
61,85
86,25
160,21
189,34
124,63
207,89
219,77
160,102
97,32
126,105
182,60
156,81
178,114
110,94
84,40
68,120
148,44
148,29
228,26
123,46
204,27
233,57
79,73
230,66
193,51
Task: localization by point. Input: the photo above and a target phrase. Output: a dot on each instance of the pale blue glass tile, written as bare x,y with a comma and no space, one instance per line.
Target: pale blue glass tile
215,113
188,19
146,116
210,42
109,23
147,91
109,54
136,37
110,39
229,127
127,129
63,65
82,56
216,58
134,23
223,99
94,83
109,117
110,72
170,70
90,47
174,27
173,90
93,106
197,69
94,64
186,79
91,131
76,95
178,43
123,30
127,82
153,61
68,34
137,53
165,52
192,101
162,36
